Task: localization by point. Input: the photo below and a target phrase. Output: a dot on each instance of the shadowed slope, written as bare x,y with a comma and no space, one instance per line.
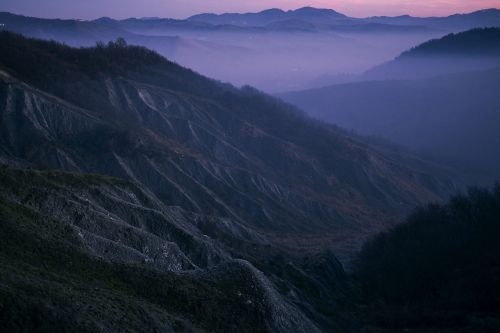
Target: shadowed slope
453,116
206,147
439,271
86,253
470,50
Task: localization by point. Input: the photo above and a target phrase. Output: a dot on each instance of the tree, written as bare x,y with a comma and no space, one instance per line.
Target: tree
121,42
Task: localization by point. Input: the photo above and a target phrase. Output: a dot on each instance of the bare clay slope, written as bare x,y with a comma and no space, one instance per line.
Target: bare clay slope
89,253
208,148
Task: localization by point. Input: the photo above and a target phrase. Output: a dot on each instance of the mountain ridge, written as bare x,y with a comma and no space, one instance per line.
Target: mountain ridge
230,139
330,45
316,16
475,49
182,197
116,250
423,99
266,16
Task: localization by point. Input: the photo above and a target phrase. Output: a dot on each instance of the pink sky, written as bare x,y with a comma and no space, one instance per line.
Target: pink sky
183,8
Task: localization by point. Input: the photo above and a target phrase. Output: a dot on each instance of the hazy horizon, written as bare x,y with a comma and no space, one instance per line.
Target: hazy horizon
181,9
280,171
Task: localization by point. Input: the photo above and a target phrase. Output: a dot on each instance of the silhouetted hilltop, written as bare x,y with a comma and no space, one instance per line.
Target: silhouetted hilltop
456,22
259,45
465,51
453,116
263,18
483,42
36,60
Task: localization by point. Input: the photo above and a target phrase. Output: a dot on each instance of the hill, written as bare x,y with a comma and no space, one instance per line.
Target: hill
196,140
260,54
451,117
439,98
328,18
272,50
470,50
266,17
439,271
477,42
219,183
452,23
79,33
87,253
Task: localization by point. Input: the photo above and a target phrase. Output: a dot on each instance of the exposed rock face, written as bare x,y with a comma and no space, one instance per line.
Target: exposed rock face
214,150
217,174
115,219
119,222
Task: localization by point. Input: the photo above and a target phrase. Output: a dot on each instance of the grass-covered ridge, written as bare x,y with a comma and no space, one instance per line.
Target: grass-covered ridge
50,282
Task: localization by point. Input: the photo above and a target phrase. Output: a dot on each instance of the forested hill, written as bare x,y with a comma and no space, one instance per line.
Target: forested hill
233,196
438,272
470,50
484,42
221,139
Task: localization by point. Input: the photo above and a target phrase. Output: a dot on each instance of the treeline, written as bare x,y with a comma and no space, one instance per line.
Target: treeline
36,60
78,74
481,41
438,272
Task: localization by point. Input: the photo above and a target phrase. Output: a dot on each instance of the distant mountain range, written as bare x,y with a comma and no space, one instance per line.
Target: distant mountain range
267,17
478,19
305,19
87,33
330,19
137,195
440,97
272,50
274,20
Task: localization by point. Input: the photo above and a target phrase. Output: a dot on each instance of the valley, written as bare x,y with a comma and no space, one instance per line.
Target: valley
147,186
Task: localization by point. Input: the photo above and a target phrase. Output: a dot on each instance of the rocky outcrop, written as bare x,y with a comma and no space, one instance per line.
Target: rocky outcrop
113,221
284,178
236,197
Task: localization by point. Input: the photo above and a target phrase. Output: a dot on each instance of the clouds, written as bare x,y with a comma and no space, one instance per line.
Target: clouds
183,8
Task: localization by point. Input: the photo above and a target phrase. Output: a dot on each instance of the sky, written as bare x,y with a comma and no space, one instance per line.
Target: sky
89,9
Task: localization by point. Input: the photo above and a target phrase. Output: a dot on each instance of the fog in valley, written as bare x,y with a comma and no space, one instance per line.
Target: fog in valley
441,98
386,77
280,171
275,56
283,61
